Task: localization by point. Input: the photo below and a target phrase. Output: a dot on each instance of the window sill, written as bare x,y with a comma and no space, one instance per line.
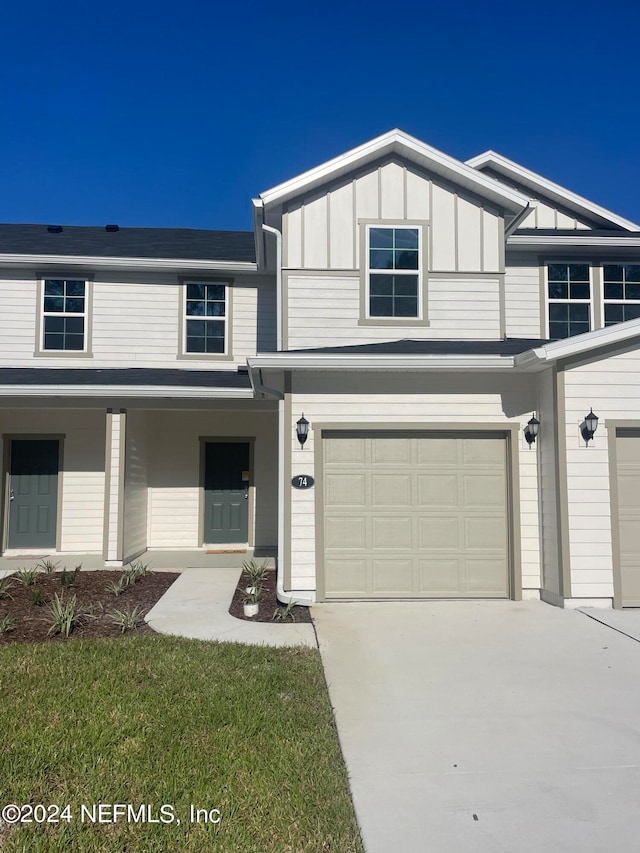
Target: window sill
392,321
204,356
52,353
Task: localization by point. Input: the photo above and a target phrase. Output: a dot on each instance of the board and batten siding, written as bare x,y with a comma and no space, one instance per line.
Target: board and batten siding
83,469
321,231
522,297
135,322
324,310
410,399
174,478
136,485
611,386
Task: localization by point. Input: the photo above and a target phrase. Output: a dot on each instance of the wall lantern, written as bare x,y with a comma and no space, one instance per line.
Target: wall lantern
589,426
302,430
531,430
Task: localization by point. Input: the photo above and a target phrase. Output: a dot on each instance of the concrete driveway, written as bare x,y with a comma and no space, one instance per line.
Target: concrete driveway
486,726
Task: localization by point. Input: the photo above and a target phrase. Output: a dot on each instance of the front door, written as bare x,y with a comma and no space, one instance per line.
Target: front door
226,492
33,493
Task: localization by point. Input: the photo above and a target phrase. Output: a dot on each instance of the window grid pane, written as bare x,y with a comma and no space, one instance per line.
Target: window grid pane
394,293
393,296
569,296
207,303
64,308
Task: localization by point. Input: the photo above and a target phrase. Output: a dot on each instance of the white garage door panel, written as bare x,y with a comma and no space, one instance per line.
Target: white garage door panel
628,474
415,516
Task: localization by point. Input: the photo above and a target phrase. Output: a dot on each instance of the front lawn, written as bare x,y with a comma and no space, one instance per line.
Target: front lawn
165,722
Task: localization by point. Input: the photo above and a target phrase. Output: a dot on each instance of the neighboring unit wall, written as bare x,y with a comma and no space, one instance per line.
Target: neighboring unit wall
523,297
427,398
175,474
135,322
611,387
135,485
83,468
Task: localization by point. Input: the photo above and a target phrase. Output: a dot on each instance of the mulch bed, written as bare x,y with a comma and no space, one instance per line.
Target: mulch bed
90,588
268,603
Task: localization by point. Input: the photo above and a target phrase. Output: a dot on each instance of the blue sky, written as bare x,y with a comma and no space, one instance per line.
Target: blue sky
176,114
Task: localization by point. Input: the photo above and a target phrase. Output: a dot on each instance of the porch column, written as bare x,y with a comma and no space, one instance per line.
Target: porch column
114,473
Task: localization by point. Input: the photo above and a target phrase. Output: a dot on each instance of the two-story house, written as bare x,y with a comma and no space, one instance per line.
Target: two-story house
440,329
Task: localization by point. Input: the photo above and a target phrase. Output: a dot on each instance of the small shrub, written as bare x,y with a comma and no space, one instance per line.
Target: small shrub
282,614
7,623
256,574
27,577
5,585
119,586
68,579
254,596
37,597
139,570
63,615
48,567
127,619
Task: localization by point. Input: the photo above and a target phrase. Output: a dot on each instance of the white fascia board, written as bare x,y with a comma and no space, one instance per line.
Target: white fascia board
285,361
532,241
155,392
621,333
396,141
142,264
549,188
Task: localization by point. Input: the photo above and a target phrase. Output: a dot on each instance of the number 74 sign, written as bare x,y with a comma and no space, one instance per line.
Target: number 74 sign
302,481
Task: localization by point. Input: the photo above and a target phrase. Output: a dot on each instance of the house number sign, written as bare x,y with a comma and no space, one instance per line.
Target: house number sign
302,481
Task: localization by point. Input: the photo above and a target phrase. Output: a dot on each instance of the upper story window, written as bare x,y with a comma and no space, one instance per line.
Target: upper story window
621,284
394,266
569,299
206,316
64,315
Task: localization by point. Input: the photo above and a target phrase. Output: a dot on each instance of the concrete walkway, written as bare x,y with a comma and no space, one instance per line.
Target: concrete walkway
197,606
485,726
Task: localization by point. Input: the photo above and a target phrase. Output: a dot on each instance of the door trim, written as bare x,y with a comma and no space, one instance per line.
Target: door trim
227,439
510,433
7,438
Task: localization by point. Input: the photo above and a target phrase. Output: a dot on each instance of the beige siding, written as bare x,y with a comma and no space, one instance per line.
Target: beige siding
432,399
457,308
522,298
136,487
465,235
83,469
612,387
546,453
115,450
174,478
135,322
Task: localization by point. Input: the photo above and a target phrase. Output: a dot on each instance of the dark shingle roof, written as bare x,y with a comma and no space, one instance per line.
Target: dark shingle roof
95,241
132,376
510,346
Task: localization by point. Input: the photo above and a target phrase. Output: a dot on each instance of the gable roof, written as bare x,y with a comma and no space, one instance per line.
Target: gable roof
508,346
589,342
542,186
156,243
411,149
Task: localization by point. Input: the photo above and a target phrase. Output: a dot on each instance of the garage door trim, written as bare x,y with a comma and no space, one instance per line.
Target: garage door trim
615,430
510,432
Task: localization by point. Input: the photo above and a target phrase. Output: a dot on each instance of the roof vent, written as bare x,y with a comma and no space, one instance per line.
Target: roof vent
111,227
54,229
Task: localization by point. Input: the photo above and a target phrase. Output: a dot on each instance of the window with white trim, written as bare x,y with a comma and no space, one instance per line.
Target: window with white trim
621,284
569,299
394,268
64,315
205,329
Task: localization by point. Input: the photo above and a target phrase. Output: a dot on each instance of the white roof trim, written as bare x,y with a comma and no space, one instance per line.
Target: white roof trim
530,241
126,263
553,191
317,361
152,392
579,344
398,142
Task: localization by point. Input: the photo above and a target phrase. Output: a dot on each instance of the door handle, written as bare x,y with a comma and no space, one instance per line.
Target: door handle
12,497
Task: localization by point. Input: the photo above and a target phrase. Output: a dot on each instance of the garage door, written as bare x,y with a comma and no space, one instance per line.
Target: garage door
628,462
411,515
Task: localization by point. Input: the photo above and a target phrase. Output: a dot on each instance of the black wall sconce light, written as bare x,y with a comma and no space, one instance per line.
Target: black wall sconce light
589,426
531,430
302,430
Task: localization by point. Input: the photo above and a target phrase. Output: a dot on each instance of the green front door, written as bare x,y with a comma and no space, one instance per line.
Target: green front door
226,492
33,493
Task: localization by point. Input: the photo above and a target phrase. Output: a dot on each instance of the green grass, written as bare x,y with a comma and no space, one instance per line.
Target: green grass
160,720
